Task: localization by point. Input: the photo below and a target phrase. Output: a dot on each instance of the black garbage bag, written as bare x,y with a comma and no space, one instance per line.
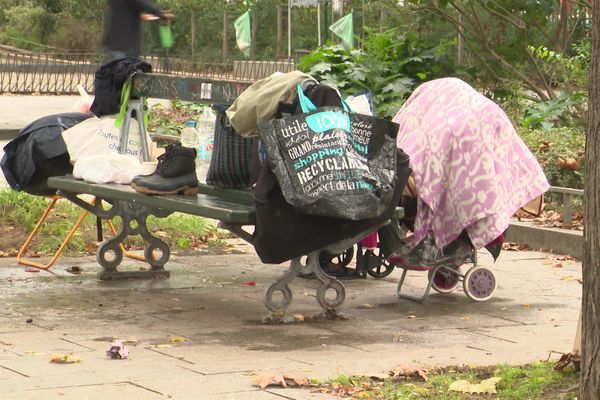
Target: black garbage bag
39,152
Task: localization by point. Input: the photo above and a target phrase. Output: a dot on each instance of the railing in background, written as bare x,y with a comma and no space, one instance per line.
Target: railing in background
60,73
568,194
55,73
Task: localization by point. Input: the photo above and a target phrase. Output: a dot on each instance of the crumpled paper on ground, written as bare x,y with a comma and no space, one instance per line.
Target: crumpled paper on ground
117,351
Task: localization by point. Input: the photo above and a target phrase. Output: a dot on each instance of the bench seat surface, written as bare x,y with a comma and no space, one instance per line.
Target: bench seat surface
231,206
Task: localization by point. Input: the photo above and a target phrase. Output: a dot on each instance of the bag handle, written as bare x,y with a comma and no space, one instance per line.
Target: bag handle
307,105
125,96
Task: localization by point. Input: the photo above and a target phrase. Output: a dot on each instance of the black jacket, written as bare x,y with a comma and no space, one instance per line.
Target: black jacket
39,152
123,32
109,80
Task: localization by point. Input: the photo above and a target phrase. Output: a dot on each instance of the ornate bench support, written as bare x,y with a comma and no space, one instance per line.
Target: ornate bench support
134,217
282,285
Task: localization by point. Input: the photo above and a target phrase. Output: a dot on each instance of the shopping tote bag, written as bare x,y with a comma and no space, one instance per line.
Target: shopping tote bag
332,162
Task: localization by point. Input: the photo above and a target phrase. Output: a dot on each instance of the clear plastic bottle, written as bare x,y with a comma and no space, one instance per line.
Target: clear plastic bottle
206,137
189,138
189,135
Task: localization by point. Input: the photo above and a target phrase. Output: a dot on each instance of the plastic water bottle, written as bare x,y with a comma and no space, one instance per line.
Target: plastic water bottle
206,137
189,138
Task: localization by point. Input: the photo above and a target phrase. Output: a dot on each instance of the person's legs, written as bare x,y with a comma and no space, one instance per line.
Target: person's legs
112,55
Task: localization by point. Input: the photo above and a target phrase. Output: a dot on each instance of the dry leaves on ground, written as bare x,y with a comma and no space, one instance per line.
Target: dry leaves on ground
567,359
485,386
286,380
402,372
509,246
65,359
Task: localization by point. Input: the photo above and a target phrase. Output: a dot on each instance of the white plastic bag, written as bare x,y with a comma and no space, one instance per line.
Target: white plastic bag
100,136
359,104
107,168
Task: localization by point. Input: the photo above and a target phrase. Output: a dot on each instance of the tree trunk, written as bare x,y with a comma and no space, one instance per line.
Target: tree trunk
590,353
225,36
194,30
279,49
563,26
253,33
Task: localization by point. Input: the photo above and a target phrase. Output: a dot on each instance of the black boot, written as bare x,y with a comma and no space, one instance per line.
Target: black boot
175,173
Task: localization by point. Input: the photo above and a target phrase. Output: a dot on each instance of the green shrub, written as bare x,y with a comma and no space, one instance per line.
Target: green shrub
391,65
555,149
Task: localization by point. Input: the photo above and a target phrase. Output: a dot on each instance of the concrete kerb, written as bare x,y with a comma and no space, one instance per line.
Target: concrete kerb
561,241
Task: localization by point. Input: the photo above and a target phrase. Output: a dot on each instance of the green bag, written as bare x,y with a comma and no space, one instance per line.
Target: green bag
166,36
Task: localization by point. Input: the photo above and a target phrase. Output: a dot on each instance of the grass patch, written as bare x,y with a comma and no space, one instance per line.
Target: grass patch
20,211
537,381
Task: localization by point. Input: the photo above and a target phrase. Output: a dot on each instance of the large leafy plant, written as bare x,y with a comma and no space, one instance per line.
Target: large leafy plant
390,66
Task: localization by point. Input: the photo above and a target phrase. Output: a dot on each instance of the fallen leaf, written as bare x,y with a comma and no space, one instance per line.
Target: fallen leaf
567,359
545,146
378,377
299,317
569,278
262,381
409,372
568,163
485,386
64,359
514,246
366,306
296,380
177,339
74,269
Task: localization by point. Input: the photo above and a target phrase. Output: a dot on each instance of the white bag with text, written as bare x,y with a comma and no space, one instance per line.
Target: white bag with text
100,136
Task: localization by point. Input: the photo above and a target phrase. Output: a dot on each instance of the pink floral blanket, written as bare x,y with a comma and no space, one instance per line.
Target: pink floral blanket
471,169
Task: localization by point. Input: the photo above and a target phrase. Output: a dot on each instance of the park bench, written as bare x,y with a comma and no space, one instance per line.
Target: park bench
232,207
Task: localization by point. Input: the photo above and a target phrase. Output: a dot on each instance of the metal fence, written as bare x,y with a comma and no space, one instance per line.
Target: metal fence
61,73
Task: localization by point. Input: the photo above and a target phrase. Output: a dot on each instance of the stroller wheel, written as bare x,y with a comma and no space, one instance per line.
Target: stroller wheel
335,264
445,279
479,284
380,267
332,264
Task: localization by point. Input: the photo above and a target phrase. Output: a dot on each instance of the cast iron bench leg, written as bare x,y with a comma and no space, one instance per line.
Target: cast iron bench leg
134,222
134,217
327,282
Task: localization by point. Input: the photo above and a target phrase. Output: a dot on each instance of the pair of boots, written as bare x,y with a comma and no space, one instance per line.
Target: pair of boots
175,173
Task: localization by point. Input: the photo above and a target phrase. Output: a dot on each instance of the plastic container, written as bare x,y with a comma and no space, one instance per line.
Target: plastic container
189,135
206,137
189,138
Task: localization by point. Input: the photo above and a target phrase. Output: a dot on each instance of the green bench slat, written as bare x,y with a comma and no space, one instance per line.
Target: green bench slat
204,205
236,195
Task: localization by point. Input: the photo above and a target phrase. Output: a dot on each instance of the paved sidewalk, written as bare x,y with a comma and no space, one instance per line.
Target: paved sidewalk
534,312
17,111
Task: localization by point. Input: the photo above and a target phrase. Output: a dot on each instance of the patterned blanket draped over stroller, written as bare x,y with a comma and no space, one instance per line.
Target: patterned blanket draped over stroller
471,169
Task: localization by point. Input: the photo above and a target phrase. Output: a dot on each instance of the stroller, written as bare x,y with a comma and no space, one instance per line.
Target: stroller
471,173
444,267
